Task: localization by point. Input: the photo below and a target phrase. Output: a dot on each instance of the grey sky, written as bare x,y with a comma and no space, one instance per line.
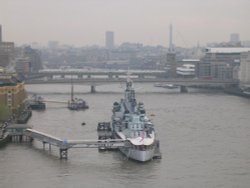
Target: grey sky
84,22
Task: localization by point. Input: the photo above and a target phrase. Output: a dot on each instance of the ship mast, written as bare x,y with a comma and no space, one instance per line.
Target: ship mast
72,89
130,94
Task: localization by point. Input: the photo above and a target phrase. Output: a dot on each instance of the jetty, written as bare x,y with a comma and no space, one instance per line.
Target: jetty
64,144
25,133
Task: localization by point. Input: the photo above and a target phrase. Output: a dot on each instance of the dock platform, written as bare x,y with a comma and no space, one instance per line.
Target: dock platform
64,145
16,132
105,141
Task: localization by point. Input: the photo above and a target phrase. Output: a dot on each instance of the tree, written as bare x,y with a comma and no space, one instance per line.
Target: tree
4,112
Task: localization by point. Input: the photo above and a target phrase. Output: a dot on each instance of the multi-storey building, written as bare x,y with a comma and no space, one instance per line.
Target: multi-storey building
110,40
23,66
12,93
244,74
234,38
7,51
220,63
0,33
34,57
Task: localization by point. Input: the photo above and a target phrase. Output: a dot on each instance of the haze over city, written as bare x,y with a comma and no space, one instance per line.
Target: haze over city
84,22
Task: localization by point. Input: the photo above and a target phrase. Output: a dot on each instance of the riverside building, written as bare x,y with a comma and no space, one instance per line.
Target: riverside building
220,63
12,94
244,73
109,40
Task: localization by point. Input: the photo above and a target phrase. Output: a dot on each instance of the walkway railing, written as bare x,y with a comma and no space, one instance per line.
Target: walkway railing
64,144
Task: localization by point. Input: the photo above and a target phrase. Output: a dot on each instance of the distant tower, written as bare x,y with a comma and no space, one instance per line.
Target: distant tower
109,40
1,33
171,48
234,38
171,55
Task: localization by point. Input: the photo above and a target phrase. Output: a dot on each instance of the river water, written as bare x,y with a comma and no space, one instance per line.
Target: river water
204,139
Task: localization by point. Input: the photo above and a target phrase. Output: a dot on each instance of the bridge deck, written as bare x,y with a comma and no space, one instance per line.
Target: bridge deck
101,81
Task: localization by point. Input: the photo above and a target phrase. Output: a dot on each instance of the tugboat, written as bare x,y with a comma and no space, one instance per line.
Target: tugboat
75,103
130,123
37,103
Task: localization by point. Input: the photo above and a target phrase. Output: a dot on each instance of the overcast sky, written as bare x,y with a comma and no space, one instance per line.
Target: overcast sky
84,22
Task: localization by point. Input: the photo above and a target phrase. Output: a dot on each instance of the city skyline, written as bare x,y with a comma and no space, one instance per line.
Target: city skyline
82,23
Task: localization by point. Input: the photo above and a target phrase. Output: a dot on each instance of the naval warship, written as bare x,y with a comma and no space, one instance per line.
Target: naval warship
130,123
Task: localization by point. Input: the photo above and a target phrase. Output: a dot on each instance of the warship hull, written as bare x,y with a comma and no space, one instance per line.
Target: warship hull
138,155
130,123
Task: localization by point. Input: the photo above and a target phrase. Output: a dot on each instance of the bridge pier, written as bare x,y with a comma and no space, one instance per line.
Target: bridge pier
110,76
92,89
44,145
141,76
183,89
16,138
63,153
19,138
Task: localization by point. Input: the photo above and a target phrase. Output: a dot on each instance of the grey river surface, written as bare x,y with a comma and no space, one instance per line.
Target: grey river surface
204,139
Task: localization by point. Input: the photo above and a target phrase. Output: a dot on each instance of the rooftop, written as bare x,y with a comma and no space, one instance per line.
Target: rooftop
227,50
8,80
190,60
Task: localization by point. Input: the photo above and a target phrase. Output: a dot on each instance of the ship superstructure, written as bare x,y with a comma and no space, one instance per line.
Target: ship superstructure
129,122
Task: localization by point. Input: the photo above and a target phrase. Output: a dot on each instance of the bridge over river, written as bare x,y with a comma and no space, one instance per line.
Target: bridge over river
95,77
183,83
85,73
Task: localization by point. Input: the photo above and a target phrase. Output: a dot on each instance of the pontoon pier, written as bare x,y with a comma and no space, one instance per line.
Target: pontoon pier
64,145
25,133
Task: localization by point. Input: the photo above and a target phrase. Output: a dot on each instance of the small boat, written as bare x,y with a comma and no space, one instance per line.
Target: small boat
158,84
24,116
75,103
168,86
243,92
186,70
37,103
246,91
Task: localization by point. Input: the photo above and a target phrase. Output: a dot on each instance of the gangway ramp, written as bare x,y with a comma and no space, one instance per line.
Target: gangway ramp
109,143
64,144
43,137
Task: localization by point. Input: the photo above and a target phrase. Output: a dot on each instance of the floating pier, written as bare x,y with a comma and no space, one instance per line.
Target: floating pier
64,145
105,141
16,132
